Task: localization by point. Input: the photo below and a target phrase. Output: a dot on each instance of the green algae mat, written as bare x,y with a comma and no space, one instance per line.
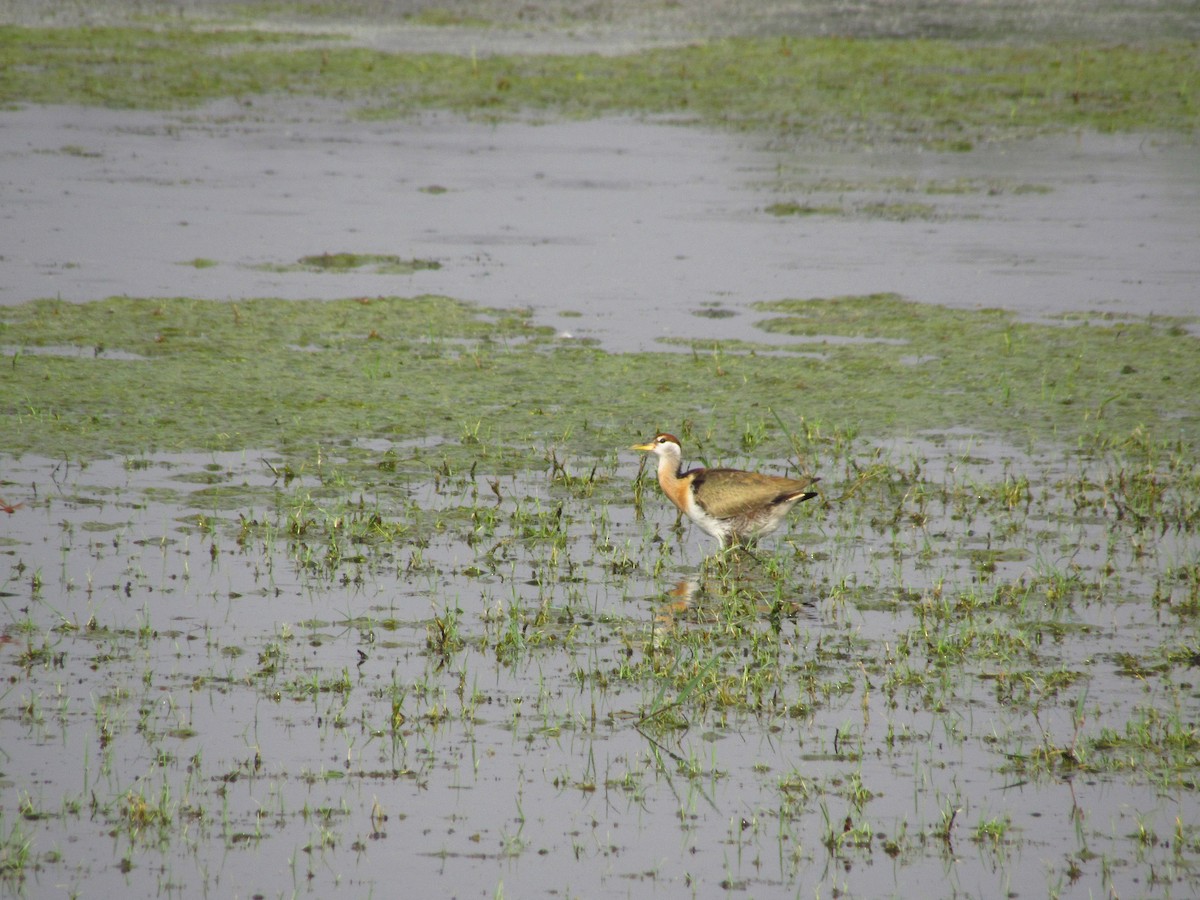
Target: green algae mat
129,375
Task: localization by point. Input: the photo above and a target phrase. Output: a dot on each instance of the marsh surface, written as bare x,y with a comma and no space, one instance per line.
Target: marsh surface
322,566
968,667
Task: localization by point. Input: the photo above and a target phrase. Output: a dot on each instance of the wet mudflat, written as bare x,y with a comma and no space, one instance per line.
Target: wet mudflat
356,587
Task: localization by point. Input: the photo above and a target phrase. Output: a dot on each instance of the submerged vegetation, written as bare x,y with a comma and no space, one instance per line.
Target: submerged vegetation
939,93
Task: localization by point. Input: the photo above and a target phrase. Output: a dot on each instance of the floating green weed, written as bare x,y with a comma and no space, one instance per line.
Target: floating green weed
794,208
378,263
200,262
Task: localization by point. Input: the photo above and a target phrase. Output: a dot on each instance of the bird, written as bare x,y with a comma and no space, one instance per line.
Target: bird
734,506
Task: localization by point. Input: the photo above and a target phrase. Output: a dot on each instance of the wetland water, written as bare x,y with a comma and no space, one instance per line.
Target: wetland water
631,228
458,644
213,688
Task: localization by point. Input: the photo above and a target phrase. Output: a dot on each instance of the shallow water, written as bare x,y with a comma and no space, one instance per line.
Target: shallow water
194,706
615,230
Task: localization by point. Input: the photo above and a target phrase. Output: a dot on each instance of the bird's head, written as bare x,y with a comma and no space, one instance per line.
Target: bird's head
664,446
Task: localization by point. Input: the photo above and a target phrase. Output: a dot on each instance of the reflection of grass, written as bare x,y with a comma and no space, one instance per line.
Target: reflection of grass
930,92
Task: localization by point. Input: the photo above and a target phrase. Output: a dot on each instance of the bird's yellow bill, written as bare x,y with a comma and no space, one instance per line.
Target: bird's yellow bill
645,448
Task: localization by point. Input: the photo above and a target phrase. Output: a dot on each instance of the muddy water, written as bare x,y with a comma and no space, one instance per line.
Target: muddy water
196,713
635,231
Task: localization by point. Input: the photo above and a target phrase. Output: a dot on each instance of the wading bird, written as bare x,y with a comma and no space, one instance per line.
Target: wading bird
733,506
